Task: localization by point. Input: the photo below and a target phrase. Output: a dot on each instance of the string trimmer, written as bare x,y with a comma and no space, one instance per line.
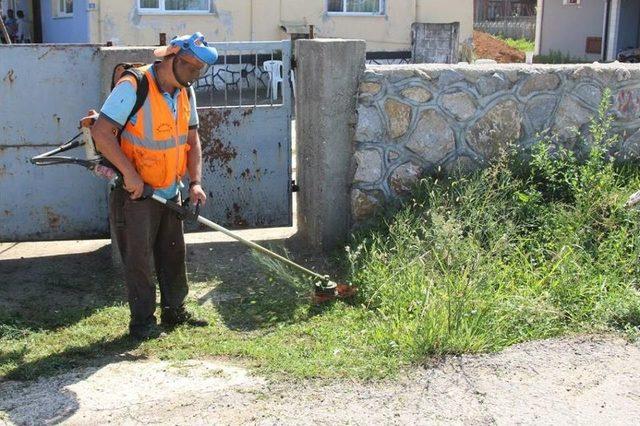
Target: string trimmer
325,289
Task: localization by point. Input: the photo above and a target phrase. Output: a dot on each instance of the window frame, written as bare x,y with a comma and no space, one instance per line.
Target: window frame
160,10
63,13
381,12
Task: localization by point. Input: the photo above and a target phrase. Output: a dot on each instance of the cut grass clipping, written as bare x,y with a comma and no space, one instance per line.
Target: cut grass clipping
521,250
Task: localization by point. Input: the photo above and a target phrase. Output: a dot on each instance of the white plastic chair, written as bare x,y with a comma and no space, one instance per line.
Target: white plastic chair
293,83
274,68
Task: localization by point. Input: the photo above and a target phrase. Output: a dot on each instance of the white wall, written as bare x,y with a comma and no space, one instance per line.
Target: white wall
565,28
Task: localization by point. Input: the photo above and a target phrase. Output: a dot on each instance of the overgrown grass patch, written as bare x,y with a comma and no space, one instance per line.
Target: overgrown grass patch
518,251
515,252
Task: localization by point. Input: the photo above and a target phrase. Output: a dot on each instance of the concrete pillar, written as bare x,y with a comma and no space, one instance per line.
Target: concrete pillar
327,77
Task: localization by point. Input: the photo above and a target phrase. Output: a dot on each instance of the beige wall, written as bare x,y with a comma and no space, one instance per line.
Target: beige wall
565,28
119,20
242,20
444,11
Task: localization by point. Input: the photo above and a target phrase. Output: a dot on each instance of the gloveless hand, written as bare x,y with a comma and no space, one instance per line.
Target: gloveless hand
196,193
134,184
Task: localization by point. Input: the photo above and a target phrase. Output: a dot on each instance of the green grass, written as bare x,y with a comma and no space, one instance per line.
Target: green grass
468,264
557,57
521,44
315,344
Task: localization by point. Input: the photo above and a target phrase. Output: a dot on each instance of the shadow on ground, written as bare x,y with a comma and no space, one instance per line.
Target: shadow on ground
49,292
247,294
49,400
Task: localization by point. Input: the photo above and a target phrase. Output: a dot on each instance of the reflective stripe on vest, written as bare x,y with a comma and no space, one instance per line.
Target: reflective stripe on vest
154,145
157,143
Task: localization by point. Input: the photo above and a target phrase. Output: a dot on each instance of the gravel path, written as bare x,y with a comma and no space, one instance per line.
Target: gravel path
580,380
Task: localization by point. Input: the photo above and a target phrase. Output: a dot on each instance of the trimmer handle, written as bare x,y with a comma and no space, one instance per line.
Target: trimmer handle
183,210
147,192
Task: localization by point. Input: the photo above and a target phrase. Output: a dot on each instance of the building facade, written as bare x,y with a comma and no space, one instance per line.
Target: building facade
588,29
384,24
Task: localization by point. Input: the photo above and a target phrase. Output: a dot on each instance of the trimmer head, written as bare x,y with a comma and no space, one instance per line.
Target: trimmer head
328,291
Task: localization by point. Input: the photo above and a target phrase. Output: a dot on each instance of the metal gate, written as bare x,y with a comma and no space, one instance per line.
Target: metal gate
245,131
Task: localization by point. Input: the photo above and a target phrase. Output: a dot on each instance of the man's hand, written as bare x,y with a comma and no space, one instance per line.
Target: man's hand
196,193
134,184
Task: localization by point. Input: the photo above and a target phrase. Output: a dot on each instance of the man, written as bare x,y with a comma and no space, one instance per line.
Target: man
23,33
157,146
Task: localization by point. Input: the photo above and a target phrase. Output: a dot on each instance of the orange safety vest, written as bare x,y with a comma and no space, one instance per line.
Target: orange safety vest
157,143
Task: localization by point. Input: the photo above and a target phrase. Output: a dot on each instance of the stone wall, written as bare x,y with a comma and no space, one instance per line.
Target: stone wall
414,120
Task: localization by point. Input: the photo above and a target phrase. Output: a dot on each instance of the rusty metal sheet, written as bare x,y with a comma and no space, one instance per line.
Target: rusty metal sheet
49,203
246,166
44,90
246,148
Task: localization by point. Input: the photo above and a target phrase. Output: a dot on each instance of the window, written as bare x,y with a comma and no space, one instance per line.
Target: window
65,8
174,6
357,7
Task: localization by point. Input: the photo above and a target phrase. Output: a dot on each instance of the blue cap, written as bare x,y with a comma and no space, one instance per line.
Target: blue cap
194,44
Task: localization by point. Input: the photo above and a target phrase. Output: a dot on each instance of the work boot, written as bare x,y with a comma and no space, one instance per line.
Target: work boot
171,318
145,331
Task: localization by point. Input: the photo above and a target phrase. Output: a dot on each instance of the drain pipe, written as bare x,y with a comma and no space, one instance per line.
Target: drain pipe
539,26
252,29
605,38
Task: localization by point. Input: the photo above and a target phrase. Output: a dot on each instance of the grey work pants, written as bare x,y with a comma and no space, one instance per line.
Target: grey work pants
149,234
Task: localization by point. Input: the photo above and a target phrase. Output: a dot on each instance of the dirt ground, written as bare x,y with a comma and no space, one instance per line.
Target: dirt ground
488,47
581,380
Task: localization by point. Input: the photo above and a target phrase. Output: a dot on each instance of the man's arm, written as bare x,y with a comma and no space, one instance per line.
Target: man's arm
194,166
113,116
104,135
194,156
